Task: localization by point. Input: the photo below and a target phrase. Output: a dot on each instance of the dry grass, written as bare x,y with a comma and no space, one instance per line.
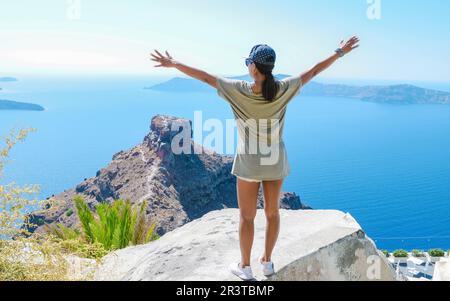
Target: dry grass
24,257
29,260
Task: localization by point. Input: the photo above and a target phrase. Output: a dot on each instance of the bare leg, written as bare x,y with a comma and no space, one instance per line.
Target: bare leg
247,198
272,191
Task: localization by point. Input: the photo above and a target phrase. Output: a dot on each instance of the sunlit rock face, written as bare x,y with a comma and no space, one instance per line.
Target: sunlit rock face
313,246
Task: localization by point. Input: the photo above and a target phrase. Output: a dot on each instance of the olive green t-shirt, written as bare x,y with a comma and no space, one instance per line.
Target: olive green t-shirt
261,153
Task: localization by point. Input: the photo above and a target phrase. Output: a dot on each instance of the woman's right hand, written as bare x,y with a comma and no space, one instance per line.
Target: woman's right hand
350,45
164,61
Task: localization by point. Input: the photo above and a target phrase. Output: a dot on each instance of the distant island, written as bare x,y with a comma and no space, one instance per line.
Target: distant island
19,106
394,94
8,79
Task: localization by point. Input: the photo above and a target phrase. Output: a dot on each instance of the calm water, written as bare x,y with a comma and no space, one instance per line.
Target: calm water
388,165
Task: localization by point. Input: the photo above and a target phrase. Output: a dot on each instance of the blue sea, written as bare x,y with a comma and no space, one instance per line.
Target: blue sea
387,165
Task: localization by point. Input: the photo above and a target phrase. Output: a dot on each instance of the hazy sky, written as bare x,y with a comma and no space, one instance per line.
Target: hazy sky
410,41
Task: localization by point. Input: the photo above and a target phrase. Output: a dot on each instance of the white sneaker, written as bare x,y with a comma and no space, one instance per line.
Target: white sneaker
243,273
268,268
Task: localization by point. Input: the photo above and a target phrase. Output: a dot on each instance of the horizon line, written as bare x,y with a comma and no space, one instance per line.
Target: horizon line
171,76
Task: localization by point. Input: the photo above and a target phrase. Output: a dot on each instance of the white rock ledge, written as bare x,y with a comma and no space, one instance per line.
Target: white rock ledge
313,245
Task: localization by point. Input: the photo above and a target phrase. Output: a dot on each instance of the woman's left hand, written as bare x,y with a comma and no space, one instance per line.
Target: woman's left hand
164,61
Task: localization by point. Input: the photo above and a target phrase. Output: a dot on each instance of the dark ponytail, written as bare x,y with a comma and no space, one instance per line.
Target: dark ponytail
270,85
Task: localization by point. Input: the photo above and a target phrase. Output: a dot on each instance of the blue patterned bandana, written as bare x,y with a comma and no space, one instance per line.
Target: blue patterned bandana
262,54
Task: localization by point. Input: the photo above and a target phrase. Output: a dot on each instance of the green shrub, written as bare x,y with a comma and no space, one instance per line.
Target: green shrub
418,253
436,253
114,226
400,254
62,232
69,212
386,253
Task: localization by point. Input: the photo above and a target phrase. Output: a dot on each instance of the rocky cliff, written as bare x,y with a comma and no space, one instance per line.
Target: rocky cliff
177,188
313,245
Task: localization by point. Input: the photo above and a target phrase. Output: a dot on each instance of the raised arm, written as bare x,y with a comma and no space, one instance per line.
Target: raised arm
345,48
168,62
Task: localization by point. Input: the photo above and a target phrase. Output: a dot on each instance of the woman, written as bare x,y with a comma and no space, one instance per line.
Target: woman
266,100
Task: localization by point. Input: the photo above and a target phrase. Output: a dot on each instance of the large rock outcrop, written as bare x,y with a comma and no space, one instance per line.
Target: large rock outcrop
177,188
313,245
